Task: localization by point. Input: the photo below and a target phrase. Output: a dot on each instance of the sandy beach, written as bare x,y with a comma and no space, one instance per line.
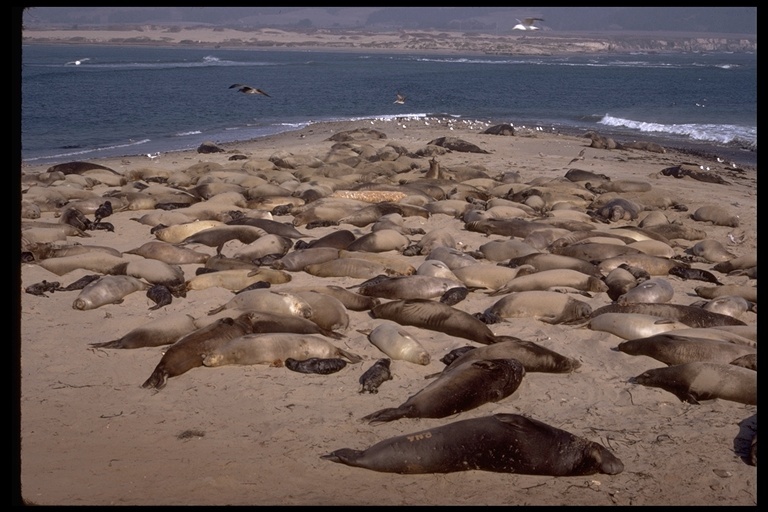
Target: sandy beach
254,434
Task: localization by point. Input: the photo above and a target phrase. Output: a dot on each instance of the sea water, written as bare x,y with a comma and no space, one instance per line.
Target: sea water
128,100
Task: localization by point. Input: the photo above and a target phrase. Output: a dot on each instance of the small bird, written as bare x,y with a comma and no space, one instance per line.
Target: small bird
152,156
400,99
247,89
527,24
78,62
104,210
580,157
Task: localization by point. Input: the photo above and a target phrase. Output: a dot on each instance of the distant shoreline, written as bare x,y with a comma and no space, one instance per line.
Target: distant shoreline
414,41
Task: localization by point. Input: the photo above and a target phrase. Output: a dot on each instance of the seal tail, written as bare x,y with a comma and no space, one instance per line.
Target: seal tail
353,358
346,456
107,344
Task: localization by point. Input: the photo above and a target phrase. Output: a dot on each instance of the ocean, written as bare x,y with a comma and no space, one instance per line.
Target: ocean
124,101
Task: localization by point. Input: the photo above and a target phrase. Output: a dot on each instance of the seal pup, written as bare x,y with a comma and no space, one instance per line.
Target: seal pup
435,316
161,295
459,388
273,349
375,376
702,380
188,352
322,366
503,443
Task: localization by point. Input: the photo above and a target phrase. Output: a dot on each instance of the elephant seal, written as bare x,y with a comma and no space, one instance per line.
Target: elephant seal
107,290
397,343
547,306
161,295
633,325
691,316
717,215
269,301
435,316
298,259
322,366
375,376
459,388
619,281
656,290
169,253
266,322
188,352
273,349
748,361
701,380
711,251
408,287
674,349
93,261
546,279
534,357
696,274
40,289
161,331
745,291
731,305
503,443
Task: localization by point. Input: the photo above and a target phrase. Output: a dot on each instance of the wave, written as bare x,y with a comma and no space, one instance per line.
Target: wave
719,133
92,152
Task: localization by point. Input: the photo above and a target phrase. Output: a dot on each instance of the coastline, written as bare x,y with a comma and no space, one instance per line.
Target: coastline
427,41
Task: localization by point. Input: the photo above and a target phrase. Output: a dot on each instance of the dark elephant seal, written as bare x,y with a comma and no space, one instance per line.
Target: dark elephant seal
408,287
459,388
503,443
161,331
534,357
161,295
435,316
188,352
700,380
696,274
674,349
322,366
375,376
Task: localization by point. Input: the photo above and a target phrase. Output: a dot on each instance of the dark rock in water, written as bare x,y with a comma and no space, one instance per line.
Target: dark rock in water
315,365
500,129
209,147
456,144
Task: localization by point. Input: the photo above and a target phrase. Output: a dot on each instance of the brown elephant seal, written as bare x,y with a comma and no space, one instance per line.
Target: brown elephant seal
701,380
503,443
375,376
745,291
555,278
696,274
459,388
711,251
619,281
547,261
273,349
93,261
265,322
408,287
717,215
397,343
534,357
189,351
689,315
672,349
632,325
655,290
169,253
161,331
731,305
547,306
107,290
435,316
321,366
748,361
739,263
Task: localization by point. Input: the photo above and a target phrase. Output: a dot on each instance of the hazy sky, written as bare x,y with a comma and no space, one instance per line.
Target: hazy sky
714,20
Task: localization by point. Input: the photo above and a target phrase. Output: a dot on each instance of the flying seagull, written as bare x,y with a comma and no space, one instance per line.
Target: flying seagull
527,24
247,89
77,62
400,99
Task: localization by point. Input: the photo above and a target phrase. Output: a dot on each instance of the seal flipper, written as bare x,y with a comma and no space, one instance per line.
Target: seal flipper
389,414
353,358
346,456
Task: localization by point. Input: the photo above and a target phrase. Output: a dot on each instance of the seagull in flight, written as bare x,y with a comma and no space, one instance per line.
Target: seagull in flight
527,24
77,62
247,89
400,99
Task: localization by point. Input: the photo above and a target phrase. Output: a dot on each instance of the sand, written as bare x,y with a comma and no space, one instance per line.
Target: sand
255,434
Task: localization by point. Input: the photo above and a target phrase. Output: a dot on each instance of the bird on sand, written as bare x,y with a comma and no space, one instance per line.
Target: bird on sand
400,99
527,24
247,89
